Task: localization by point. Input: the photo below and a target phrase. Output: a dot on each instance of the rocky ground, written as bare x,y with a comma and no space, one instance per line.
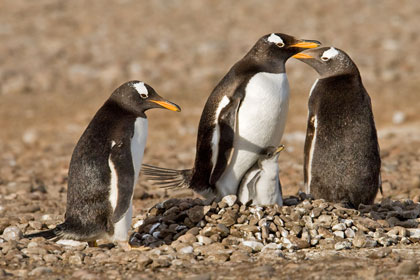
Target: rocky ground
62,59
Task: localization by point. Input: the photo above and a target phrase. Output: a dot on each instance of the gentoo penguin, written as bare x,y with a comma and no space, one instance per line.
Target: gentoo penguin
245,113
261,182
341,160
105,166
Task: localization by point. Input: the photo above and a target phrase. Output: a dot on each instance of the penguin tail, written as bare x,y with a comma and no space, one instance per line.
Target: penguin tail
167,178
55,233
47,234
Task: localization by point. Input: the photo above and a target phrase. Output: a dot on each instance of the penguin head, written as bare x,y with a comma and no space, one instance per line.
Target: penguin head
136,97
328,61
275,48
270,155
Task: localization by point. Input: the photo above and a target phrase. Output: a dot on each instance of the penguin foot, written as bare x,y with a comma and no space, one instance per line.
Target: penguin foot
92,243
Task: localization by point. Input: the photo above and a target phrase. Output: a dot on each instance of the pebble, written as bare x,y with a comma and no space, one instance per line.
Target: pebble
255,245
186,250
40,271
12,233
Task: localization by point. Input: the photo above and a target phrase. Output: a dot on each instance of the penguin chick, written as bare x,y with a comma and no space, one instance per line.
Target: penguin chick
341,155
245,113
105,166
261,183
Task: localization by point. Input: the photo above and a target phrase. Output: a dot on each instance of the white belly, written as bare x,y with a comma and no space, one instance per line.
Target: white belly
260,123
137,145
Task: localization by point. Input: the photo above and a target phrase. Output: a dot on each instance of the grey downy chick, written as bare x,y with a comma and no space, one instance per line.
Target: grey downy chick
261,183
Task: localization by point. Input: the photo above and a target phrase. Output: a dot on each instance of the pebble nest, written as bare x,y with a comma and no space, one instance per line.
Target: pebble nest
181,232
189,226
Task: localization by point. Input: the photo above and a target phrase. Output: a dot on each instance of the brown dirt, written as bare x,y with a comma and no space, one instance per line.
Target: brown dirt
62,59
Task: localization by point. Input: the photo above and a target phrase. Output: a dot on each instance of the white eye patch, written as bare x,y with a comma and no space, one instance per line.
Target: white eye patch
330,53
273,38
141,89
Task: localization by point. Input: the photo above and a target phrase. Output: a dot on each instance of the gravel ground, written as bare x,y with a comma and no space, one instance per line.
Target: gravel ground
62,59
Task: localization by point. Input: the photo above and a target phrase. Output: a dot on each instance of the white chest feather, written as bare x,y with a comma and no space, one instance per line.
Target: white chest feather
260,123
311,156
138,143
263,111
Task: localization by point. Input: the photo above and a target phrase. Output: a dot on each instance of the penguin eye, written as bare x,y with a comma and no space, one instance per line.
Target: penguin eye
280,45
324,58
143,95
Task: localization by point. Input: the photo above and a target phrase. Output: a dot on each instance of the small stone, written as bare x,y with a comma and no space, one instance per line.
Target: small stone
408,268
35,225
186,250
327,244
359,240
204,239
143,261
40,271
325,233
218,258
325,220
271,246
239,256
33,244
230,200
50,258
187,238
349,233
196,213
300,244
339,233
342,245
255,245
339,226
12,233
290,201
76,259
229,218
222,229
249,228
316,212
161,262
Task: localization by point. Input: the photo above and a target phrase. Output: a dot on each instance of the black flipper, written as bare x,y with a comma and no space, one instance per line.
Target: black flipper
167,178
227,125
121,158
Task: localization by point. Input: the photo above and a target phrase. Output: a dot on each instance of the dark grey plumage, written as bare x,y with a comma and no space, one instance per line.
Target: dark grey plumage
341,154
103,159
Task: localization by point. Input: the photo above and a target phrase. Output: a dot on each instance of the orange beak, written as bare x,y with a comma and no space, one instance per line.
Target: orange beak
302,55
167,105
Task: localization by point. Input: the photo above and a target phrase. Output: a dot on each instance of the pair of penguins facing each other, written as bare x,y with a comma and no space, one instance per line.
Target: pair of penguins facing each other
241,124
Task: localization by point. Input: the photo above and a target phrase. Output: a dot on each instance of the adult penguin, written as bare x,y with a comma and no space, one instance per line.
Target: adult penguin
105,166
341,155
245,113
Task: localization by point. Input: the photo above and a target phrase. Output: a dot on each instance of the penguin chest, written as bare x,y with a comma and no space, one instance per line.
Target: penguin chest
261,120
120,196
138,143
263,111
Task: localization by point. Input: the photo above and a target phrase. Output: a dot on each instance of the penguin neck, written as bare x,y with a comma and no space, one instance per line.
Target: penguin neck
254,64
355,77
116,108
